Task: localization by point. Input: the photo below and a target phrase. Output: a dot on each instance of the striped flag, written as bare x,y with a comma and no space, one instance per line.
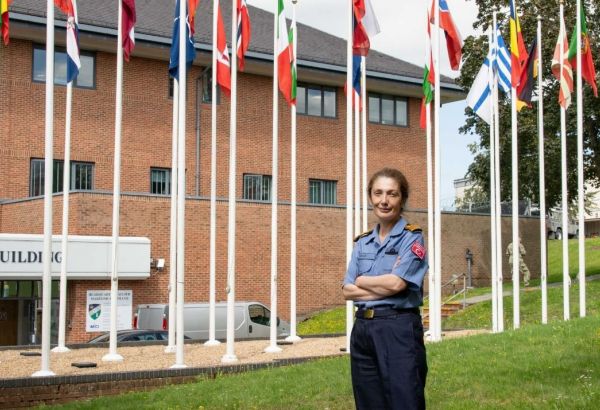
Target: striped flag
365,26
294,62
588,71
454,40
4,20
223,63
564,77
128,35
284,55
479,95
192,7
517,46
428,75
190,51
528,76
502,63
69,7
243,32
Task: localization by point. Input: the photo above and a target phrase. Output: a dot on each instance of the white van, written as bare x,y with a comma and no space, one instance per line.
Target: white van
252,320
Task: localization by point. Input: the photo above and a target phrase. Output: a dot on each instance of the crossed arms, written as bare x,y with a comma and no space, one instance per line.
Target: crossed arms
373,287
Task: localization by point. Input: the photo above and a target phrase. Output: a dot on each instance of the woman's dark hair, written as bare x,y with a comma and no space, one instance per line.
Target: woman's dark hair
397,176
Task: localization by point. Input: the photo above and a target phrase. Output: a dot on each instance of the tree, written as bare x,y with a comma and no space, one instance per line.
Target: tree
474,52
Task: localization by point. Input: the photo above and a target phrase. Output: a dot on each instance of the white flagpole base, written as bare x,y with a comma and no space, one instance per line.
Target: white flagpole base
293,338
171,349
229,358
61,349
112,357
273,349
213,342
179,366
43,373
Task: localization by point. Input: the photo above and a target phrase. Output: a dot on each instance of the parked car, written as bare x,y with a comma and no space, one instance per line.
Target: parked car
556,229
134,335
252,320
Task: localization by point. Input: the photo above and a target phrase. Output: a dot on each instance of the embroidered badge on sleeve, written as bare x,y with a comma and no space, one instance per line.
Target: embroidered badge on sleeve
418,250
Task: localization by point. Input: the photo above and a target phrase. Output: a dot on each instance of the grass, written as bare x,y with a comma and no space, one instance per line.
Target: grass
592,258
538,367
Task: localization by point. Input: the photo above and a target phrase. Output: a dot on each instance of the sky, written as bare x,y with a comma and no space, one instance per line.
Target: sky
402,36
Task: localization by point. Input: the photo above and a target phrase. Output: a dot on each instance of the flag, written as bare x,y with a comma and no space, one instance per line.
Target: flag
243,32
454,40
128,35
428,76
588,72
69,7
223,64
284,56
365,26
190,51
294,63
501,62
4,20
192,6
565,78
517,46
528,76
479,95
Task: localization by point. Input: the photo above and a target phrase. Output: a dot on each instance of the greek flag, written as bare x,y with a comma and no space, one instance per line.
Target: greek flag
502,62
480,93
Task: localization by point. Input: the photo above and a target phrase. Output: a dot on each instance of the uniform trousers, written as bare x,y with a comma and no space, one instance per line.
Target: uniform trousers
388,361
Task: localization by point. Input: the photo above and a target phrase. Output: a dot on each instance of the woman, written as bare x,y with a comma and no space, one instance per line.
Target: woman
385,281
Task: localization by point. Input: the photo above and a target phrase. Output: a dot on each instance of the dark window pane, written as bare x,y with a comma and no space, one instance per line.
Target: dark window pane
39,64
85,78
301,100
60,68
373,109
266,188
160,181
314,102
329,103
401,112
387,111
314,192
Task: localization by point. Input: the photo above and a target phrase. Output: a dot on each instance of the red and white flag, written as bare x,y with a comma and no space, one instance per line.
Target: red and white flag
128,34
223,63
564,77
243,32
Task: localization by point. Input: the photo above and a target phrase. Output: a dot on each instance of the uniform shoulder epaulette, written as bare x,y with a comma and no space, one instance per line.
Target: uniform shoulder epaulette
362,235
413,228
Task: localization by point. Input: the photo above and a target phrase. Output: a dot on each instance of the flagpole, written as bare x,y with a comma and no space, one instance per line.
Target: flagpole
436,335
349,205
229,356
493,57
170,348
357,230
48,168
516,256
182,77
273,348
293,337
496,113
580,176
364,100
543,233
212,341
563,145
112,355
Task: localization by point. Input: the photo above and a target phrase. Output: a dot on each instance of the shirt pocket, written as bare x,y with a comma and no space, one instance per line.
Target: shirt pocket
387,263
365,262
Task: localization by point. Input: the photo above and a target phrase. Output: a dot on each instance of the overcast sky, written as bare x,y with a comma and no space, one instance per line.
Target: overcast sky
402,35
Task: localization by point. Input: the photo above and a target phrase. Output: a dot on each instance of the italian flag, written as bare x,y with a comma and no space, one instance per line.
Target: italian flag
284,56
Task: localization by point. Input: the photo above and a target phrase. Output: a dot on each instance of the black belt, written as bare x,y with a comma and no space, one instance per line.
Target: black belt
370,313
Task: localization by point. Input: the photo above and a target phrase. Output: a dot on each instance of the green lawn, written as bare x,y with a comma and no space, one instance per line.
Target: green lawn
592,258
554,366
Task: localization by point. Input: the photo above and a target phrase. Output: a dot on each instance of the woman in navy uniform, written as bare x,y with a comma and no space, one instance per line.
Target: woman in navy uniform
385,281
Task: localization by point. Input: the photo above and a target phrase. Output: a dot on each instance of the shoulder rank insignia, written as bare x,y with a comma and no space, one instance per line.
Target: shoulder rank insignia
362,235
413,228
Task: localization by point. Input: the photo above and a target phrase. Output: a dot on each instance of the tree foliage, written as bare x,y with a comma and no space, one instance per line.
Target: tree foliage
474,52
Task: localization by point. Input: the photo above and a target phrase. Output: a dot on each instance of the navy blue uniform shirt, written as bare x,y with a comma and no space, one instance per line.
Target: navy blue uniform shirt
402,253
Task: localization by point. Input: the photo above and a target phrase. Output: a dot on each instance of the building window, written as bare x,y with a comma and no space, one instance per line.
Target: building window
322,192
207,88
160,181
257,187
87,72
388,110
81,178
316,100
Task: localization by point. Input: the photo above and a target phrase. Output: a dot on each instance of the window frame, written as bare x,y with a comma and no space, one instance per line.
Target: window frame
323,183
395,99
63,50
57,173
322,89
168,178
260,189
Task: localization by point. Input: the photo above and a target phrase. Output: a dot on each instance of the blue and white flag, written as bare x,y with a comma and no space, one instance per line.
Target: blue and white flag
502,62
190,51
479,98
69,7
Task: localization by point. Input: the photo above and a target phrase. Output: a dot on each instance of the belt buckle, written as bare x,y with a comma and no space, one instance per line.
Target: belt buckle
369,313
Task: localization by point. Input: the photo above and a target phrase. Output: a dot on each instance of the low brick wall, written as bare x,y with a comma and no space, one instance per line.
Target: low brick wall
29,391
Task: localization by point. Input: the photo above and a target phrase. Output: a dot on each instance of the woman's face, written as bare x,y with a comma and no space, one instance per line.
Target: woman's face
386,199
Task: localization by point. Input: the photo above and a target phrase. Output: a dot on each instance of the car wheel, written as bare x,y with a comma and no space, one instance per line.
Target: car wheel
558,234
551,235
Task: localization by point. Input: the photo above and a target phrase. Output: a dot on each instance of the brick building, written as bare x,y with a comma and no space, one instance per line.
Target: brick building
395,139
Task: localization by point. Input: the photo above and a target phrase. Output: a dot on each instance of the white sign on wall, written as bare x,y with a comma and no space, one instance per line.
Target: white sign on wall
97,312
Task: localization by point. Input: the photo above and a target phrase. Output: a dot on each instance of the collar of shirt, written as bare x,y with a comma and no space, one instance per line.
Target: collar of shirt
396,230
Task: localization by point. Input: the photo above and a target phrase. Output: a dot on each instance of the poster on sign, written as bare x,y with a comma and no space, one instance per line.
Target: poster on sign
97,312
